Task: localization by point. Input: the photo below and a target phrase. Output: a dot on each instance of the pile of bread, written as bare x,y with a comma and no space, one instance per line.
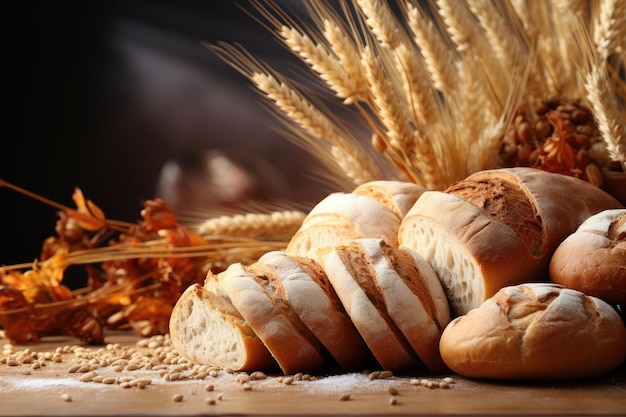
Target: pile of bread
508,274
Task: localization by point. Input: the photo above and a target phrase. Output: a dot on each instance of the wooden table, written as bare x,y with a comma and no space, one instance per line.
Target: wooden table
29,392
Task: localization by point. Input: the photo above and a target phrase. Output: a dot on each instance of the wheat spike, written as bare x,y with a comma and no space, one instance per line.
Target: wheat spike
381,22
254,225
437,54
609,27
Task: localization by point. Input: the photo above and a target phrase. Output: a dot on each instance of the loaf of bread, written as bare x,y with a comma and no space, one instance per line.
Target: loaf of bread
593,259
340,218
497,228
393,298
310,294
206,328
397,196
536,331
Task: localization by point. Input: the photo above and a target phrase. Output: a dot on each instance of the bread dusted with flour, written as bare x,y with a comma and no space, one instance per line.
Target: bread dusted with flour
206,328
536,331
497,228
393,298
311,295
593,259
257,292
340,218
397,196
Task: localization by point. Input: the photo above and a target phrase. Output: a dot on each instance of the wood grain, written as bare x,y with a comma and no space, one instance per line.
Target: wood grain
27,392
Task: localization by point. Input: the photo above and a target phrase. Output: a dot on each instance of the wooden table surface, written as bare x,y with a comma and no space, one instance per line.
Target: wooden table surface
25,391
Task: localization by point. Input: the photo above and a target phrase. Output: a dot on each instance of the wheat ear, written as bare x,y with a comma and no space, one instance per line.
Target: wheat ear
608,27
254,225
381,22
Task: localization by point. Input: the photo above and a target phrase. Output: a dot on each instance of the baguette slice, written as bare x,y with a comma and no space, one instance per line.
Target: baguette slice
395,301
206,329
340,218
536,331
259,295
312,297
497,228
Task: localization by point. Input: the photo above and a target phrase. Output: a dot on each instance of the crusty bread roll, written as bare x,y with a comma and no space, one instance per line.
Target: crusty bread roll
258,294
593,259
340,218
206,329
393,298
397,196
536,331
497,228
312,297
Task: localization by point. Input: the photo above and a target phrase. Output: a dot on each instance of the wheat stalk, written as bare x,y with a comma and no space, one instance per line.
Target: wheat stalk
254,225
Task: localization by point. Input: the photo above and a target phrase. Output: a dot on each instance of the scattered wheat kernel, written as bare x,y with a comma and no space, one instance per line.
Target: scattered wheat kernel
393,400
448,380
109,380
213,374
258,375
220,396
13,362
247,387
66,397
393,391
177,398
210,387
288,380
210,401
385,374
373,375
444,385
345,397
35,365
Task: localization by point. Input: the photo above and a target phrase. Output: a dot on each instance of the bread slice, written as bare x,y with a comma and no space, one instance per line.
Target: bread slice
206,329
593,259
312,297
397,196
497,228
340,218
399,311
259,295
536,331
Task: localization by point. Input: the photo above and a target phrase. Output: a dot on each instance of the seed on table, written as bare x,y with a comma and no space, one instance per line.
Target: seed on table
210,387
393,400
177,398
210,401
393,391
345,397
66,397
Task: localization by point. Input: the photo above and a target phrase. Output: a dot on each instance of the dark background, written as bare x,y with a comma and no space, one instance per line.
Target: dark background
101,95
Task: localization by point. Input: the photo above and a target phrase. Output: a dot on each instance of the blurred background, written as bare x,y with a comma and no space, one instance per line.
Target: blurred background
121,99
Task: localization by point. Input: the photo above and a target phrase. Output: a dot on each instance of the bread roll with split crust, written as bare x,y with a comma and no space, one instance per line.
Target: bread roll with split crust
206,329
536,331
497,228
340,218
394,300
593,259
258,293
397,196
312,297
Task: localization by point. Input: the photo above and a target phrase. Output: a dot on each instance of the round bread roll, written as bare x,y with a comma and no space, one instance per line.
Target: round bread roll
536,331
497,228
340,218
397,196
394,299
593,259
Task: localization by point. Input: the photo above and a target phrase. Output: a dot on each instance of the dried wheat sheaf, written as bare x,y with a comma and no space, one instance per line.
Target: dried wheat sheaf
444,88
